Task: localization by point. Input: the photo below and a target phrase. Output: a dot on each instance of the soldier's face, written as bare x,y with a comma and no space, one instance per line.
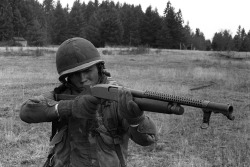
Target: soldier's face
85,77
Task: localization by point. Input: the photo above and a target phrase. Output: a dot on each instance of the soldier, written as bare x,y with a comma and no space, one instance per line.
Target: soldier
87,131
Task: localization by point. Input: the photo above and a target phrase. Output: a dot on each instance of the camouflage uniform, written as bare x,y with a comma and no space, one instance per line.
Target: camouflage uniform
93,140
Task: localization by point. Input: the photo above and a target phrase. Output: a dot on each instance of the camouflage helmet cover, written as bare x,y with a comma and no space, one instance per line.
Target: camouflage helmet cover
75,54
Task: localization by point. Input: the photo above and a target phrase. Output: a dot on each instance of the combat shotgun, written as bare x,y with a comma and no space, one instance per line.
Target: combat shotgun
160,102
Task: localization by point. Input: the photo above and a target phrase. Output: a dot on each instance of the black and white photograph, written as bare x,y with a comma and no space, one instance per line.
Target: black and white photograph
124,83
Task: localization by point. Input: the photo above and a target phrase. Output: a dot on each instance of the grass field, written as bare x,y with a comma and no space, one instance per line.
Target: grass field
210,76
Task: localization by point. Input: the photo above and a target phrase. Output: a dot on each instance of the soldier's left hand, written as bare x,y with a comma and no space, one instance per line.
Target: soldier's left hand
128,109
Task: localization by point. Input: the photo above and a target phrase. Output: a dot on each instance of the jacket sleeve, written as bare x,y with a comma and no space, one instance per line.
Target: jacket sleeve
145,133
39,109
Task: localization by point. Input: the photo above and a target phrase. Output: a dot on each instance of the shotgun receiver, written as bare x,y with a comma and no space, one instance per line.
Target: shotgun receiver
160,102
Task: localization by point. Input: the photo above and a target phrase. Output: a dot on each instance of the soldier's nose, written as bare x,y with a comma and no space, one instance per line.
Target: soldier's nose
83,77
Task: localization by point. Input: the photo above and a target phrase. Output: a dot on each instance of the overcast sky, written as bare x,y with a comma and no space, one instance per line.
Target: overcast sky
209,16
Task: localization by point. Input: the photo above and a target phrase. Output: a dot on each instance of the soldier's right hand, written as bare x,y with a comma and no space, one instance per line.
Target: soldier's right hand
84,106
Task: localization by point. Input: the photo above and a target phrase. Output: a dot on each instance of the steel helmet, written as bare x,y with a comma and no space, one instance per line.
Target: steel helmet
75,54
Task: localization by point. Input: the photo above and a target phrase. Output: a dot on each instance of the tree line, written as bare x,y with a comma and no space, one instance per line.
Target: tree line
108,23
224,41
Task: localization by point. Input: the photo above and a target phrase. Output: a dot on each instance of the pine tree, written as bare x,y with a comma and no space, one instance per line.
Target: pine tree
171,34
208,45
136,33
60,25
164,39
130,17
48,6
90,9
6,21
26,11
215,41
18,21
93,31
199,42
179,27
244,44
76,24
165,36
150,26
187,35
96,3
227,41
126,15
238,39
36,34
135,29
111,29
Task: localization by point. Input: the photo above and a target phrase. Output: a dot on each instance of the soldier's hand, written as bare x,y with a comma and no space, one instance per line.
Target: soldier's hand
128,109
84,106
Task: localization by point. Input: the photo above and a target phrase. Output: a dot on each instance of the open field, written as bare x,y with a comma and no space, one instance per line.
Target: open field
211,76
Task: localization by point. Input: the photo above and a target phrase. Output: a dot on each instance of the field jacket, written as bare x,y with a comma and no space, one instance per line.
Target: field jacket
102,141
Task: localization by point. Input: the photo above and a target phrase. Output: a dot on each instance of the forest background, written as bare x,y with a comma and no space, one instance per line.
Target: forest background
109,24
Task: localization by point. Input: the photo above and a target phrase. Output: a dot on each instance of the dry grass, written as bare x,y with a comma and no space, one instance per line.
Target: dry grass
28,72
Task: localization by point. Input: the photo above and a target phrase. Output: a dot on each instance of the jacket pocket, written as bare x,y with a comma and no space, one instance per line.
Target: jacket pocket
59,152
58,136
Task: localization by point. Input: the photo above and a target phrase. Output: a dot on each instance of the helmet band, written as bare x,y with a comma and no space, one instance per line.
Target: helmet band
81,67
